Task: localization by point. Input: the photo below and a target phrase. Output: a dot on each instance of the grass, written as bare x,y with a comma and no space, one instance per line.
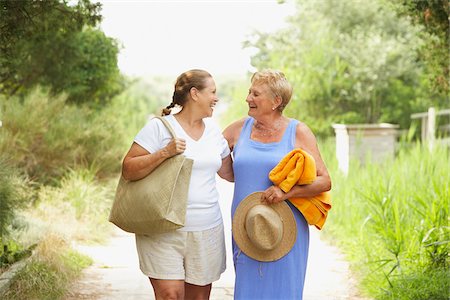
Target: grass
391,220
76,209
80,199
50,272
72,155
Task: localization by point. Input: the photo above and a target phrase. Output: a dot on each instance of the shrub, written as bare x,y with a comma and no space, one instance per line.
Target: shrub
49,273
44,136
392,221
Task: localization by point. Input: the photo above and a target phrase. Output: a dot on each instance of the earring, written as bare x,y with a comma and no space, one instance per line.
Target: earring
273,108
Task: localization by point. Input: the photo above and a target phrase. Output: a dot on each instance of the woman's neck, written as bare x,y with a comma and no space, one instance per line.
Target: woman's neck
273,123
269,128
189,118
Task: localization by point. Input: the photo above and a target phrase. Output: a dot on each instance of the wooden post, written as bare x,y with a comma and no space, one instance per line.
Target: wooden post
431,127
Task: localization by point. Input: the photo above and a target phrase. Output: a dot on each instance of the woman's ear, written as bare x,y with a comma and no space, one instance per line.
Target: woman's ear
277,101
193,92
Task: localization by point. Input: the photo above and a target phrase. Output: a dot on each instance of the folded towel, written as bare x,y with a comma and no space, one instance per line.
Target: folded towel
298,167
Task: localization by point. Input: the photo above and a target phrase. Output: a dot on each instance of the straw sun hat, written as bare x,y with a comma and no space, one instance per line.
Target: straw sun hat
264,232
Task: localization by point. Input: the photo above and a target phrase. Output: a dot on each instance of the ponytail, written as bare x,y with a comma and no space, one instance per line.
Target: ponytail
166,111
186,81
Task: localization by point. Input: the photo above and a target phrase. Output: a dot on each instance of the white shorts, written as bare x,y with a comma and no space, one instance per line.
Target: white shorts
197,257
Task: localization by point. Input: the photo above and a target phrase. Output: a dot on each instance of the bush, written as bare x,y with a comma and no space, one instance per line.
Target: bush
392,221
45,136
15,193
49,273
77,209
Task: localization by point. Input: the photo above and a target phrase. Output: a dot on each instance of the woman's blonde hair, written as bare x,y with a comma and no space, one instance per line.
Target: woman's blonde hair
278,84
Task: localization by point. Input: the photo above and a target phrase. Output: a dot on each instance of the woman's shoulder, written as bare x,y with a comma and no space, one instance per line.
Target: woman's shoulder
235,128
237,124
300,126
232,131
154,124
303,133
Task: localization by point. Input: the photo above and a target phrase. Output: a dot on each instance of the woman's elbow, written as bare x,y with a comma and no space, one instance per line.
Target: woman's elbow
328,184
228,176
127,173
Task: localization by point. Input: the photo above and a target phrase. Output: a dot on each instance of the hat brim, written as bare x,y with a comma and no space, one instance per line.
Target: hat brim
240,234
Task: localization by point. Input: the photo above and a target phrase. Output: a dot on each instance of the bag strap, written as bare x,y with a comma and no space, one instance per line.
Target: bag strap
166,123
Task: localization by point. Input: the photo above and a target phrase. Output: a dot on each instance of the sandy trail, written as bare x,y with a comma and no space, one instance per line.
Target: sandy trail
115,273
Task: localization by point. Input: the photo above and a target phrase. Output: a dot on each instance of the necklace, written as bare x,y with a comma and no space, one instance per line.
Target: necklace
268,131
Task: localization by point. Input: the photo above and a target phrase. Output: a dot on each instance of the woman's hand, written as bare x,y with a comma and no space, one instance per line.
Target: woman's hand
273,195
138,162
174,147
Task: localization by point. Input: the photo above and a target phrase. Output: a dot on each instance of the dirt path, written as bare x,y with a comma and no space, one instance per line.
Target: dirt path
115,273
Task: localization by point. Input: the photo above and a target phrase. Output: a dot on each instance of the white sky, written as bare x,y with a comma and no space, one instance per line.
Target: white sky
170,37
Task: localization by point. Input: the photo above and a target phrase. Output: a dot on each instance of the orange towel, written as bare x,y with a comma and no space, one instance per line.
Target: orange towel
299,167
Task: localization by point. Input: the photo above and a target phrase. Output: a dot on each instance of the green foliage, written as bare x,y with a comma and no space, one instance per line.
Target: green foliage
348,63
232,92
78,199
51,43
130,110
49,274
14,193
13,252
44,136
429,284
94,78
392,221
434,16
71,147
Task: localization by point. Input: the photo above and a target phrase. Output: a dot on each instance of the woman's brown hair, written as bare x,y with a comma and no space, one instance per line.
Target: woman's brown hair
185,82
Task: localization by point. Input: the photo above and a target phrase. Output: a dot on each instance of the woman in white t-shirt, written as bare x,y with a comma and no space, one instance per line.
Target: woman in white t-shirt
184,263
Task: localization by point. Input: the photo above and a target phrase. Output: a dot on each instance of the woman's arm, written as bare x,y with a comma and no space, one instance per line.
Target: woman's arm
226,170
306,140
232,132
138,162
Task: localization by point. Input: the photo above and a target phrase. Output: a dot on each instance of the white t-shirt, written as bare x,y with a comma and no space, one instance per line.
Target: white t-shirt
203,210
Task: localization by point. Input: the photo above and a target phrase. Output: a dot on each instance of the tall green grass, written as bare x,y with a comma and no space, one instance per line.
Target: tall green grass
15,194
73,154
44,135
391,219
76,209
49,273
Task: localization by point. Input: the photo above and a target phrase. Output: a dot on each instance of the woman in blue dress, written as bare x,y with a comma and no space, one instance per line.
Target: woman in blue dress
258,143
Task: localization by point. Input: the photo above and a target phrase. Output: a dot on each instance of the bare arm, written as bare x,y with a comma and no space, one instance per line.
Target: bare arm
226,170
306,140
232,132
138,162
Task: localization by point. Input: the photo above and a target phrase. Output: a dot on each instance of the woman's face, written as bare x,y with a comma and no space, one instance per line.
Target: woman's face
207,97
260,100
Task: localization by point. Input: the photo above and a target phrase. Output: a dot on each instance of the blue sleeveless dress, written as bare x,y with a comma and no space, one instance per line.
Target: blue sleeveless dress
282,279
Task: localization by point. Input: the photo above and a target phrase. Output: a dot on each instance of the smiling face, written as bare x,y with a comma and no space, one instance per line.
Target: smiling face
260,100
207,98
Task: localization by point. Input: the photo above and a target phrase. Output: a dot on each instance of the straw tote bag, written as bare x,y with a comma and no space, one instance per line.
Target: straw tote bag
156,203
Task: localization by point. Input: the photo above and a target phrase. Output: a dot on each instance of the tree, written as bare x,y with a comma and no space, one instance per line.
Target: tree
94,76
54,44
349,62
433,15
